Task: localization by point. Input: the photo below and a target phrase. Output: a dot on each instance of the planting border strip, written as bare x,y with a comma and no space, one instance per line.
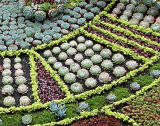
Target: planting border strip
127,32
124,40
127,23
33,75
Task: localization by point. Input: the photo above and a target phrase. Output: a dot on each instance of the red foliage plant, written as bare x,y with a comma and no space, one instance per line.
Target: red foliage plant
99,121
48,88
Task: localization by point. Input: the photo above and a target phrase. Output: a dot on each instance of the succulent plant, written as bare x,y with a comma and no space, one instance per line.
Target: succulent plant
18,66
134,21
131,64
70,78
60,8
57,65
58,109
128,13
119,71
89,43
111,98
22,89
75,67
76,88
83,11
6,72
17,60
141,8
56,29
116,11
138,16
135,2
27,119
65,46
155,73
149,19
81,21
77,9
52,60
96,59
7,80
89,7
6,66
73,43
69,62
20,80
47,53
71,51
82,73
24,101
106,53
72,20
153,11
62,56
9,101
40,16
121,6
123,17
101,4
83,106
82,4
89,52
157,5
155,27
7,90
89,15
90,82
118,58
65,25
81,47
95,70
95,10
135,86
52,12
130,7
56,50
97,47
86,63
124,1
78,57
147,2
104,77
28,12
107,65
63,71
6,60
74,26
81,39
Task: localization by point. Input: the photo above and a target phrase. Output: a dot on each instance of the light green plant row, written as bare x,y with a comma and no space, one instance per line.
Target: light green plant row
116,46
124,40
138,93
33,75
127,32
126,23
109,6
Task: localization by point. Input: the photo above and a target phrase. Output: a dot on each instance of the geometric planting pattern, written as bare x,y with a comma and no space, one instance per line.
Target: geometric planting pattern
94,60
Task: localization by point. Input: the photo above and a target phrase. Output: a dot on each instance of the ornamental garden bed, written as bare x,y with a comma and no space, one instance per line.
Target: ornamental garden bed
79,63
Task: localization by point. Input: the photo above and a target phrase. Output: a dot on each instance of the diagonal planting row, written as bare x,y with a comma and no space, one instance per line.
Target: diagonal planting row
122,41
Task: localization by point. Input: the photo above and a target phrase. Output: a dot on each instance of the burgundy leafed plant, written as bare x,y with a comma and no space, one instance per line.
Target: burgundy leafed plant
99,121
48,87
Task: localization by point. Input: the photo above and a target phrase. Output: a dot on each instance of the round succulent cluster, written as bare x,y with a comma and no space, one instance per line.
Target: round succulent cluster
134,11
82,63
